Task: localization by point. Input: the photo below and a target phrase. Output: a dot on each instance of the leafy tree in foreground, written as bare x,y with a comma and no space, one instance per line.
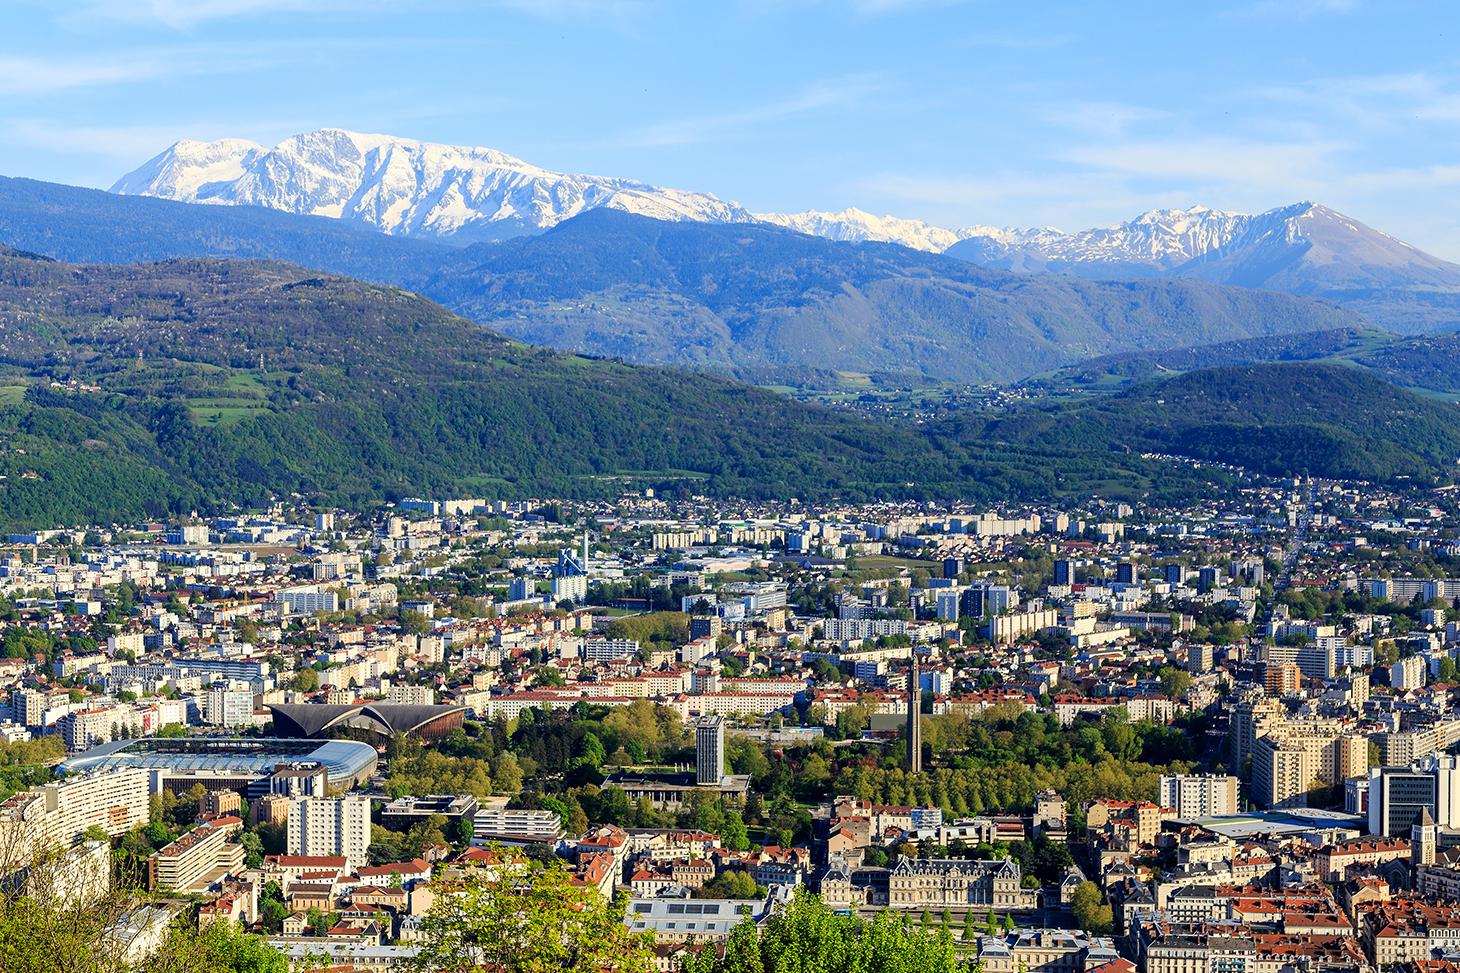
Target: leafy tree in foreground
515,918
808,937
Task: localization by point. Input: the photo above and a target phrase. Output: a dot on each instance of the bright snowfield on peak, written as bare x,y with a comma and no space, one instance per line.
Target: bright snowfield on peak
404,187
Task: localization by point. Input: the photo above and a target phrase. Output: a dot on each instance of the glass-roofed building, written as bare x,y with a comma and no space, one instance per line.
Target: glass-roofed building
241,764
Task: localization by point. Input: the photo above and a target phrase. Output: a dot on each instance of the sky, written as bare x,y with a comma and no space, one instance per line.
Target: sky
1059,114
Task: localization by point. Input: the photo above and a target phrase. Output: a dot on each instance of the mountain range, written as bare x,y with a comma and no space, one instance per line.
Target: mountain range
462,195
749,299
403,187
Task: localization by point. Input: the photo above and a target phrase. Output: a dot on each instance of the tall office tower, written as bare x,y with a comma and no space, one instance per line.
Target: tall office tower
1064,572
914,719
709,750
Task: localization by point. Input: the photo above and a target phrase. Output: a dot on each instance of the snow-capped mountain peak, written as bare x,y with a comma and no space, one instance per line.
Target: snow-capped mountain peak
855,226
403,186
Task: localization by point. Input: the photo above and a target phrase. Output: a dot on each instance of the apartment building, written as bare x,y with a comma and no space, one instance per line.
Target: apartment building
1199,796
499,822
1250,717
410,696
320,826
182,864
224,707
1291,755
114,801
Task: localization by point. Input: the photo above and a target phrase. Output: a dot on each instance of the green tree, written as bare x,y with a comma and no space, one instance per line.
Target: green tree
506,774
216,947
591,748
1090,913
414,622
519,920
96,833
1175,682
733,835
808,937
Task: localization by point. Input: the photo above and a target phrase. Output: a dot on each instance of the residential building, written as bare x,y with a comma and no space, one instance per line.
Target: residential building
500,822
224,707
320,826
1291,755
709,749
180,865
1200,796
410,696
1408,673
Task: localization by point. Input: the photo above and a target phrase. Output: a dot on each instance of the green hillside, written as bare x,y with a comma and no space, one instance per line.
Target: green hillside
1280,419
761,301
1430,362
237,380
192,384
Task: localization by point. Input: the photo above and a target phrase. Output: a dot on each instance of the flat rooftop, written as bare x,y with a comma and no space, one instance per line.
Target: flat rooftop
344,759
1286,821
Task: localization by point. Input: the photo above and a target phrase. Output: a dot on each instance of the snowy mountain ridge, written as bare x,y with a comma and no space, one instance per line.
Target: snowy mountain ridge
403,186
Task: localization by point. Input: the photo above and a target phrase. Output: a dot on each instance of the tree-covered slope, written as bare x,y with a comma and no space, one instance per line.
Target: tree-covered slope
747,299
237,379
1280,419
1430,361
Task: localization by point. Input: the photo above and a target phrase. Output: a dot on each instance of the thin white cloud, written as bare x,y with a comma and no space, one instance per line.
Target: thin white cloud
707,128
40,75
186,14
1376,102
1104,120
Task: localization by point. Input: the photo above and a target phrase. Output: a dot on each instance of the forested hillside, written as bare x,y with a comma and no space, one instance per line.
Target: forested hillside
187,384
1280,419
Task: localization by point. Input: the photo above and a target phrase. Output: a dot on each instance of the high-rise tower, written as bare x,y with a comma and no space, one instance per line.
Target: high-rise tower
914,719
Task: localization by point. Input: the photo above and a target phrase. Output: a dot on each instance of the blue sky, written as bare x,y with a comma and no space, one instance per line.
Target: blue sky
1064,114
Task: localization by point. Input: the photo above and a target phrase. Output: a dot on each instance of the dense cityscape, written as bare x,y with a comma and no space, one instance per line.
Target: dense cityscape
1161,737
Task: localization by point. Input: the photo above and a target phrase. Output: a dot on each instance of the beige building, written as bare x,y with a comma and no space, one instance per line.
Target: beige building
181,865
1289,756
1251,717
116,802
1199,796
935,884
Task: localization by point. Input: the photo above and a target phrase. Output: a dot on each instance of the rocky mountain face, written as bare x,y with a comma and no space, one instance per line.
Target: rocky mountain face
458,195
404,187
1304,248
